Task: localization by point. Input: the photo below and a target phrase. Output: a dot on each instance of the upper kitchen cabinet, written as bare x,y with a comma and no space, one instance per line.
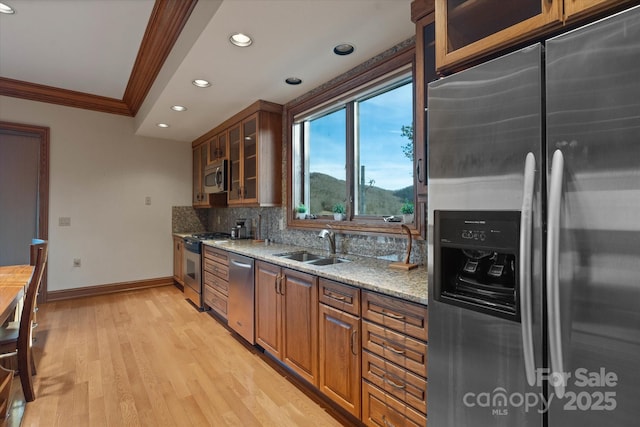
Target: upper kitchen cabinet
200,155
423,14
470,30
252,142
200,198
255,160
218,147
577,8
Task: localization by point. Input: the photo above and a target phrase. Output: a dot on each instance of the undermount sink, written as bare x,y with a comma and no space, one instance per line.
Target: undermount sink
302,256
328,261
310,258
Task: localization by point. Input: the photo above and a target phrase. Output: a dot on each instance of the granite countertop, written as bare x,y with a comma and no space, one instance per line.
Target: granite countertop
364,272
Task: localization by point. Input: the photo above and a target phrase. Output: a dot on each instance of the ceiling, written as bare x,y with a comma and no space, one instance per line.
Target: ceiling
139,57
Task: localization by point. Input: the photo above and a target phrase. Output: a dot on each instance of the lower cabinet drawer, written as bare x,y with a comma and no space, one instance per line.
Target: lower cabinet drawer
218,269
380,409
216,283
395,380
216,300
400,349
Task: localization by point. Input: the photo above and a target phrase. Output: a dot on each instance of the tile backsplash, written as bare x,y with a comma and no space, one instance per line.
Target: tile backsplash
186,219
222,219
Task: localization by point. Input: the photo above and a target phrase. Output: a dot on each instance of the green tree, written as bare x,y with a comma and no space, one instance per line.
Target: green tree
407,149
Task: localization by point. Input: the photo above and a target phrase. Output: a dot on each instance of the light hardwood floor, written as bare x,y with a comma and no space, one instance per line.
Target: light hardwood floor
148,358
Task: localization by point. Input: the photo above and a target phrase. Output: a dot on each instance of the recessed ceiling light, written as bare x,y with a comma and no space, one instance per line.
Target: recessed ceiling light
163,125
240,40
201,83
5,8
178,108
293,81
344,49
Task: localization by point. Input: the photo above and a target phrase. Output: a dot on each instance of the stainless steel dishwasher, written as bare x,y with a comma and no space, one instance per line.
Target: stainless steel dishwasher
241,296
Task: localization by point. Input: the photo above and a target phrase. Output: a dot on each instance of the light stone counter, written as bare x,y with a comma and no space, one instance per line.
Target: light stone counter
363,272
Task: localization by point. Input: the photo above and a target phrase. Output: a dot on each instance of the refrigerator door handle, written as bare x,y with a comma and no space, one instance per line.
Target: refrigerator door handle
526,224
557,378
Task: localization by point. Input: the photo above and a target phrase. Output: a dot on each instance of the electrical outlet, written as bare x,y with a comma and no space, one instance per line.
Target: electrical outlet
64,221
218,219
281,223
147,200
76,262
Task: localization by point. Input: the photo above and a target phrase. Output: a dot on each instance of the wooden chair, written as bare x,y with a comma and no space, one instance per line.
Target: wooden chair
17,342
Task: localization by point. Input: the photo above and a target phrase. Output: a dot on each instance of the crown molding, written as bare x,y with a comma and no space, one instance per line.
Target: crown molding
166,22
69,98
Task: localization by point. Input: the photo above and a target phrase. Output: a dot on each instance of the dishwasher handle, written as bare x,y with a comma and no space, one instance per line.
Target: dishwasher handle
240,264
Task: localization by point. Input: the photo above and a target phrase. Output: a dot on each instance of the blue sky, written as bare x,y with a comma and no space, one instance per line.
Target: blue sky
381,120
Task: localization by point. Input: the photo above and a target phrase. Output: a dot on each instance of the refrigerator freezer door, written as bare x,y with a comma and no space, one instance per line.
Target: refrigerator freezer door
593,106
483,122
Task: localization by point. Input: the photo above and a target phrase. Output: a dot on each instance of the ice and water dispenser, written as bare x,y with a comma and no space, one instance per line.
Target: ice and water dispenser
476,261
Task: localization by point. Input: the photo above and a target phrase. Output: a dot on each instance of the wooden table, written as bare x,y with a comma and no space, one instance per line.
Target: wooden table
13,280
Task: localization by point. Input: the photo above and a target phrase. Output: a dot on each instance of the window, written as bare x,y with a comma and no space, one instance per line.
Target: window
357,151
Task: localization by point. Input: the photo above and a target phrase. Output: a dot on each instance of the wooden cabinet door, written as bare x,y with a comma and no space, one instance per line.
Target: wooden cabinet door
250,159
234,194
177,259
218,147
467,30
196,178
200,159
340,358
299,293
268,315
576,8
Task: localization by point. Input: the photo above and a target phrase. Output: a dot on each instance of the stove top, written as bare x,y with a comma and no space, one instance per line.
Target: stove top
210,235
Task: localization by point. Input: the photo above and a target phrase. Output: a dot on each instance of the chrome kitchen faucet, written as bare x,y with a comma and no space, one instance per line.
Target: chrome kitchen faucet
332,239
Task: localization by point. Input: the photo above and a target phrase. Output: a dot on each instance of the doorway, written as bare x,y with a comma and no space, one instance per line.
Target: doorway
24,187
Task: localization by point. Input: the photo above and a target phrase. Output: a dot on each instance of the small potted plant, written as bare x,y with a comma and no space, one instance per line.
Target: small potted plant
339,212
407,212
301,211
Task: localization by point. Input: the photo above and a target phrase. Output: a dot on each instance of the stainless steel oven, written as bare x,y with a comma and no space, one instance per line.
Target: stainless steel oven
192,270
192,265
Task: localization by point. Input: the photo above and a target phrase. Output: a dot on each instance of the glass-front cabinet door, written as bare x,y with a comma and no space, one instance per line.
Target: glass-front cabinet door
218,147
250,159
235,184
222,145
577,8
470,29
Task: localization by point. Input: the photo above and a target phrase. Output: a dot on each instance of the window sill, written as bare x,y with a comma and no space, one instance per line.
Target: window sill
362,227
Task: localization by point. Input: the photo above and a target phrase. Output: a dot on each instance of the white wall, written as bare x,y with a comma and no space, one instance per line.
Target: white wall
100,174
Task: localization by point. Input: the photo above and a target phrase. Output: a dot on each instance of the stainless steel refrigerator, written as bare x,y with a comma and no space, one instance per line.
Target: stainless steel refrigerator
534,235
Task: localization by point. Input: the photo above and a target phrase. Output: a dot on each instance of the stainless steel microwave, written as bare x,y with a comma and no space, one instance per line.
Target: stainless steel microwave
215,177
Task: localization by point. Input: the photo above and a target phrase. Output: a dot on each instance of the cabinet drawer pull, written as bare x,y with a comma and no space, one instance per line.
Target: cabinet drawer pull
392,383
334,296
387,423
393,315
353,342
390,348
279,280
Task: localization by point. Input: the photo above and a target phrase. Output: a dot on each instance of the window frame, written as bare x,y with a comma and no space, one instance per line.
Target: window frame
386,69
